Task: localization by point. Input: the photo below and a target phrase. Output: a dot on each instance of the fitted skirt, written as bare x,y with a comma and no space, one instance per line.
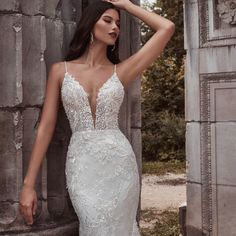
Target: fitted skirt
103,183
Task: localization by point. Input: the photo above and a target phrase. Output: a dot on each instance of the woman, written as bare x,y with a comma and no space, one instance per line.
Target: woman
101,171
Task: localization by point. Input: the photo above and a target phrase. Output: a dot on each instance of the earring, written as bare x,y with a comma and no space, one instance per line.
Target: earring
91,40
114,46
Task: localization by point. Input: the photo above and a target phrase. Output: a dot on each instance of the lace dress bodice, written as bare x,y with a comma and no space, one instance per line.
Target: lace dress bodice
78,109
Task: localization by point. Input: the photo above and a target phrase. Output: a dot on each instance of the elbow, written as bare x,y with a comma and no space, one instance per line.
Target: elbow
171,28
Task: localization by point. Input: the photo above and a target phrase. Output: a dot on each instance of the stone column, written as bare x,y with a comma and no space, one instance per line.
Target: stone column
210,80
35,34
130,115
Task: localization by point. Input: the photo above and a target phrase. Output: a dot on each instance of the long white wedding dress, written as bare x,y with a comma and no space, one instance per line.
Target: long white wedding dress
101,170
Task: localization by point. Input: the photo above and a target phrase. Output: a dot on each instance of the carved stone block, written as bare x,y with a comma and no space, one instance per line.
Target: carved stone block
34,74
192,93
193,152
9,5
11,154
191,27
224,220
11,60
194,210
214,31
223,153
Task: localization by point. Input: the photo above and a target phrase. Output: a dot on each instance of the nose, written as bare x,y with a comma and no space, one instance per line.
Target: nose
115,26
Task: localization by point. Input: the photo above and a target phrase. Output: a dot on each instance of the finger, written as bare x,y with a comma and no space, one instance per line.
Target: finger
21,209
24,213
29,217
35,203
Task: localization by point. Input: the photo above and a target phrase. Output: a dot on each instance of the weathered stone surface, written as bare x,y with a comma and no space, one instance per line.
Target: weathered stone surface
194,210
191,27
124,51
210,83
71,10
34,72
10,60
32,7
137,146
193,150
8,213
66,10
192,92
217,59
216,93
10,152
9,5
54,37
223,139
52,8
135,95
226,208
225,97
213,30
69,30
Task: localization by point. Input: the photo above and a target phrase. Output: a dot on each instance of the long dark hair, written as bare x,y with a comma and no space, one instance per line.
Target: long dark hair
82,36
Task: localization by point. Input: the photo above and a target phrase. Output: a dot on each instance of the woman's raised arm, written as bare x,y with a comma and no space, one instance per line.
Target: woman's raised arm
28,198
133,66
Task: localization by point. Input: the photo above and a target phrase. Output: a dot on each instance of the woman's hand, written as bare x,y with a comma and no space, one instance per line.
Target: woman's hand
28,203
122,4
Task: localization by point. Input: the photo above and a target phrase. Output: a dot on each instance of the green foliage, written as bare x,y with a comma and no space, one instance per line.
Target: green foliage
166,225
163,125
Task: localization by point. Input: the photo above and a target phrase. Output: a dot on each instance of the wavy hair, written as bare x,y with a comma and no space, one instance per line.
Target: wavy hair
82,35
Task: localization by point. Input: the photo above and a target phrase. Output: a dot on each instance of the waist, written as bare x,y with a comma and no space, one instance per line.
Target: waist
95,131
96,136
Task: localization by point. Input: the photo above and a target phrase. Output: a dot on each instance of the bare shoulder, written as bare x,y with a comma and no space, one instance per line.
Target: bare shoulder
57,72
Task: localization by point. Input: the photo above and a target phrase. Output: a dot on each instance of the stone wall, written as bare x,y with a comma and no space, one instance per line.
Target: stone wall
210,81
34,35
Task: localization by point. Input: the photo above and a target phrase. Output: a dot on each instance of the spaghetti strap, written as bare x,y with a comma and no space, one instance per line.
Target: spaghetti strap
65,66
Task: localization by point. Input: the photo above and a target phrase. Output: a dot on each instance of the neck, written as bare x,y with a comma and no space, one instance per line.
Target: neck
96,54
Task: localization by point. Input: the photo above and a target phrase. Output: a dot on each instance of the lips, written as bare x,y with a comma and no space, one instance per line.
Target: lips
113,34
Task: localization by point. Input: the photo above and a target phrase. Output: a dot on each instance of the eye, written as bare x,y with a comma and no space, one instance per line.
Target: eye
108,21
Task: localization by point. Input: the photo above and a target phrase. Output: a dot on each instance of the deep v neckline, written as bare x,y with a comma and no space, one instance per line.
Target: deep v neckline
98,94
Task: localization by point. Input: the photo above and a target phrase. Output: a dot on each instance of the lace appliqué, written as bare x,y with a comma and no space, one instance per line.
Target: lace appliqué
77,107
102,177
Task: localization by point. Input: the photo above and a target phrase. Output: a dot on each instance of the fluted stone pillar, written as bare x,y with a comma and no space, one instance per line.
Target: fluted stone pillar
35,34
210,80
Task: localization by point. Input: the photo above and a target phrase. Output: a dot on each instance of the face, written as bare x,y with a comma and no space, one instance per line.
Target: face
107,28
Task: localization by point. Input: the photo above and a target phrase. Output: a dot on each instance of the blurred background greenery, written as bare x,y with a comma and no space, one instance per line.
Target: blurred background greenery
162,101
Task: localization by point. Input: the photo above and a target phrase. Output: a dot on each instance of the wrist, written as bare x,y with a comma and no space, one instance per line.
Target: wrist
28,184
129,6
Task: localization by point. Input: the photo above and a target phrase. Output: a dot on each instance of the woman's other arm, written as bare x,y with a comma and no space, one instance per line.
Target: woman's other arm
28,198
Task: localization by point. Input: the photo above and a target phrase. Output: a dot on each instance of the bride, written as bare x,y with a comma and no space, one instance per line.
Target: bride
101,170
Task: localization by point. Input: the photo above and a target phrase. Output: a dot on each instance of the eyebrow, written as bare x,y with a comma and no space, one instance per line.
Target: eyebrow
110,17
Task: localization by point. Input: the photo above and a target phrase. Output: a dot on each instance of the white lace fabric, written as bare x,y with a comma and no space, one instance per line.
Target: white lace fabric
101,170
